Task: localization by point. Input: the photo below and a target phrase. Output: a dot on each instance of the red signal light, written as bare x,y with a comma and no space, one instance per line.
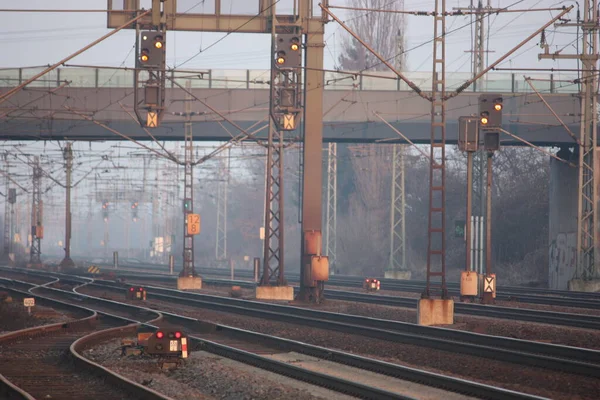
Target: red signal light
177,335
131,289
160,335
141,289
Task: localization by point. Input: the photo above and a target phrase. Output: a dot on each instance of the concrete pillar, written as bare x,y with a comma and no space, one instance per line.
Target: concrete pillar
562,224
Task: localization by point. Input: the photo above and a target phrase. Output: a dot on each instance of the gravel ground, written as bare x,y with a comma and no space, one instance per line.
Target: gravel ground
525,379
501,303
13,316
546,333
206,376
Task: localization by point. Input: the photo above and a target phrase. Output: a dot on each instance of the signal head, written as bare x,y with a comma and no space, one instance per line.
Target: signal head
295,44
484,118
280,58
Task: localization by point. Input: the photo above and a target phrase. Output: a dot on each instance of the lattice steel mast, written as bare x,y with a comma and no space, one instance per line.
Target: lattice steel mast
284,106
37,231
188,189
68,157
331,207
222,191
436,247
397,261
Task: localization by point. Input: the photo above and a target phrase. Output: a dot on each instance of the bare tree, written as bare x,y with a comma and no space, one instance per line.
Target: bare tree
383,31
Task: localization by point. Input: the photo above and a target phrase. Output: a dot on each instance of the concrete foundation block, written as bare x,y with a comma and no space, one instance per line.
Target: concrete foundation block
435,312
579,285
275,293
397,275
189,283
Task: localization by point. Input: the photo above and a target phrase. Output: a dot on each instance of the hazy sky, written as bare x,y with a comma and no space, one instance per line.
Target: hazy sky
29,39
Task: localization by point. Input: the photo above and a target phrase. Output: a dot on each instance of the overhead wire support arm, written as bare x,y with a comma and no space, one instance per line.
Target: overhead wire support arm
570,164
528,80
205,104
401,135
410,83
468,83
14,90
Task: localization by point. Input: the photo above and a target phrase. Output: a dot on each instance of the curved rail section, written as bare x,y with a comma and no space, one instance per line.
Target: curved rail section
330,382
47,376
342,385
561,358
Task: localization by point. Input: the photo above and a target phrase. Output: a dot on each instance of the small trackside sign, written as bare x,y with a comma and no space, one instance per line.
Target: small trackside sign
29,302
184,347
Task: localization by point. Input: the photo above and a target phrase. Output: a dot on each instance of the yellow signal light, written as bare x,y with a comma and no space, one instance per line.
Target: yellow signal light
498,106
158,44
280,60
484,120
144,57
294,46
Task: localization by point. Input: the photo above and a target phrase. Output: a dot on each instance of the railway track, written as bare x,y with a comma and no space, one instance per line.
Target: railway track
388,284
561,298
226,342
515,314
555,357
44,362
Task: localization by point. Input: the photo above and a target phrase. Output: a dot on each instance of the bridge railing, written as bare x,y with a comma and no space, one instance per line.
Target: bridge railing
258,79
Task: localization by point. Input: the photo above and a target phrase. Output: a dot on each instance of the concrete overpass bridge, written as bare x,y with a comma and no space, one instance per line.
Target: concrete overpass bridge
45,110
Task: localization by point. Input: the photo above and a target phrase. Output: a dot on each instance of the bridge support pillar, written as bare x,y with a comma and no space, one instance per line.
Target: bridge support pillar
562,223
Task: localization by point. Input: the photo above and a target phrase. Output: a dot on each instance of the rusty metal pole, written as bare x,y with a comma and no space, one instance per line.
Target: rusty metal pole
311,290
68,156
487,296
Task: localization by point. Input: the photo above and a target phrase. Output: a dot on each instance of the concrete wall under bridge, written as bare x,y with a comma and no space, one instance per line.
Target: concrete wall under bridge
562,227
562,224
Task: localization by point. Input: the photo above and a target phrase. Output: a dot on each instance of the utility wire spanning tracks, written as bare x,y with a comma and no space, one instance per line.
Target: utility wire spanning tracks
199,338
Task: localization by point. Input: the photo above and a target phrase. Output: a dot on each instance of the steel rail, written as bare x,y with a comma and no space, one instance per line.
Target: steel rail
385,368
128,386
573,320
388,284
316,378
560,358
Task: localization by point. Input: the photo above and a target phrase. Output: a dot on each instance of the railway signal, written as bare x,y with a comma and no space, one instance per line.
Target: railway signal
152,50
136,293
490,110
105,210
134,209
287,51
167,343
